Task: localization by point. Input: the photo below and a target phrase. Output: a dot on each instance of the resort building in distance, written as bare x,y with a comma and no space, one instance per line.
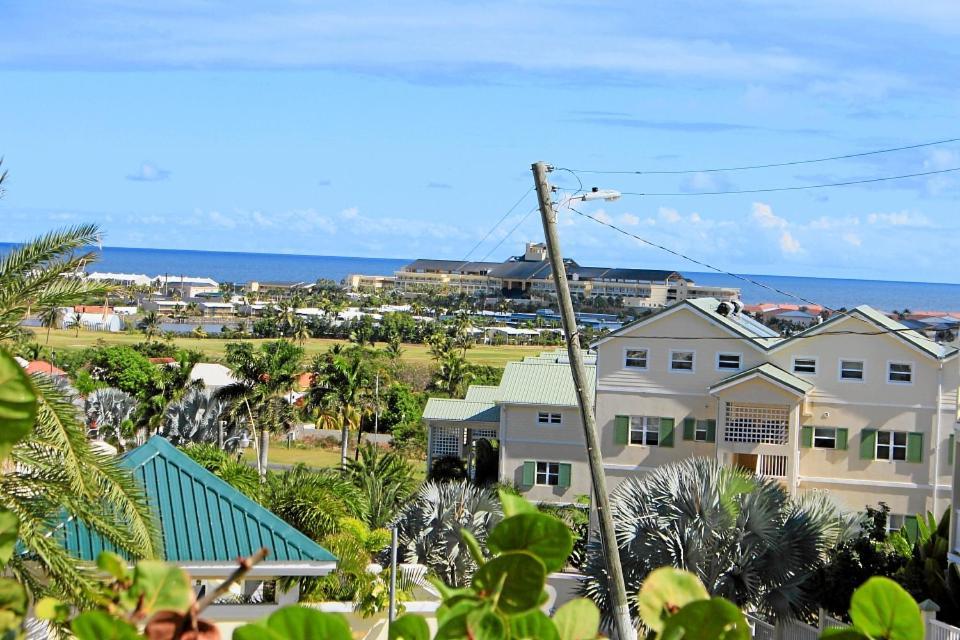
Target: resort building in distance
530,276
858,405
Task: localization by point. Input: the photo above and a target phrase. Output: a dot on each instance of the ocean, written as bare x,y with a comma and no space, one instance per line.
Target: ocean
267,267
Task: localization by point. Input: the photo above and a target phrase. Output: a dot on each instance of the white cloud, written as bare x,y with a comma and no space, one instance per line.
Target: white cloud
350,213
789,244
827,223
221,220
764,216
899,219
670,216
602,216
261,219
149,172
629,220
852,239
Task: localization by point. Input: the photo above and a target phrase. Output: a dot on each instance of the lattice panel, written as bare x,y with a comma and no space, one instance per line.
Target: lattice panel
756,423
446,441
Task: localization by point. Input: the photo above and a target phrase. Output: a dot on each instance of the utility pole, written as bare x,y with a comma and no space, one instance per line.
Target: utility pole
392,603
376,405
608,537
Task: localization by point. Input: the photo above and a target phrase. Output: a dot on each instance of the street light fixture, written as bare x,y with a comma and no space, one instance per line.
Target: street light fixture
599,194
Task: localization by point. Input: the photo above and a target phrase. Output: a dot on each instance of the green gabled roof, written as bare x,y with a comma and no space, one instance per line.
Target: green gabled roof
868,313
769,371
542,383
461,410
482,393
201,517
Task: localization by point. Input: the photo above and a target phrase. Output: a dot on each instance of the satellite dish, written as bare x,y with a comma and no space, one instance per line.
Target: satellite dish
724,308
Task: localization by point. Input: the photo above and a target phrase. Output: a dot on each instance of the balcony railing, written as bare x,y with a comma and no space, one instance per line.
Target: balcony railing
771,466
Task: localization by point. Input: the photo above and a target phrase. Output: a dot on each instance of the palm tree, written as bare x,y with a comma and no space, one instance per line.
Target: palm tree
149,324
313,502
112,411
430,527
54,471
385,479
200,416
76,319
741,534
301,331
344,377
264,376
199,332
453,374
50,318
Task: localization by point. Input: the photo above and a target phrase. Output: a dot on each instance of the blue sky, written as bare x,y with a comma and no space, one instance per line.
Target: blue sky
406,129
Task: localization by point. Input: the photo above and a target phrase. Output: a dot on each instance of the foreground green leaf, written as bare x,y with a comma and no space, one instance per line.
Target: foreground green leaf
577,620
296,623
18,403
51,609
540,534
534,625
9,529
881,608
515,579
409,627
714,619
13,604
161,586
514,505
665,591
113,565
97,625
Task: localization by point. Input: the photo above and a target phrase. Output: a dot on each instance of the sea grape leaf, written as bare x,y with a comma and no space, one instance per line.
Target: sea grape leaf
665,591
18,403
98,625
473,545
296,623
714,619
113,565
484,624
533,625
577,620
881,608
514,505
544,536
409,627
9,529
514,579
161,587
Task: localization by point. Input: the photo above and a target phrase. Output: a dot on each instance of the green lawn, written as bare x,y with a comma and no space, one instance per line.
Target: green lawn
214,348
317,457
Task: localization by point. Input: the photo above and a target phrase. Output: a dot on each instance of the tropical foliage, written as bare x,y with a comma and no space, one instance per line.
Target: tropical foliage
385,480
435,526
740,534
200,416
111,412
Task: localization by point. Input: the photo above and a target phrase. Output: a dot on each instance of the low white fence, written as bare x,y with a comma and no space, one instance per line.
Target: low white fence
796,630
937,630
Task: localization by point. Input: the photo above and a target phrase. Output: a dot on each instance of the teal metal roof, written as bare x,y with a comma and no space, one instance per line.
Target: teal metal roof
461,410
201,517
544,382
771,372
482,393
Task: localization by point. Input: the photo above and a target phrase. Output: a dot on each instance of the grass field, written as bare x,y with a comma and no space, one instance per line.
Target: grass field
214,348
317,457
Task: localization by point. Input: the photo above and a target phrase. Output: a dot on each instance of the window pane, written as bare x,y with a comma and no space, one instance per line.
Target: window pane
728,361
851,370
900,438
900,372
682,361
805,365
899,453
636,358
825,438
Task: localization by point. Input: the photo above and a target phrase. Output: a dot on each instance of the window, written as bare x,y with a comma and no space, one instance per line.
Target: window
851,370
728,361
681,361
545,417
900,372
895,522
645,430
891,445
825,438
635,358
701,432
548,474
805,366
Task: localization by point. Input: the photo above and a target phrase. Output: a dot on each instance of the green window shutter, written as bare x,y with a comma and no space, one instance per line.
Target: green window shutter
841,439
564,475
689,428
806,437
529,472
621,429
950,449
912,529
914,447
868,444
711,430
666,432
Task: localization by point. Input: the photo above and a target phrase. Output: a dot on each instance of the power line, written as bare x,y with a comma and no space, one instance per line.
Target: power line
497,224
798,188
796,336
509,233
771,165
699,262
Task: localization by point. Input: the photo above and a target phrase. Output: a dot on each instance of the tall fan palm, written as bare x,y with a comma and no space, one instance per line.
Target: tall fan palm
149,324
55,470
743,536
112,411
430,527
265,375
197,418
50,318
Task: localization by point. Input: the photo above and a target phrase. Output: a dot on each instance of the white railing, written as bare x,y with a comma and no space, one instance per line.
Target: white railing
937,630
795,630
761,630
772,466
829,622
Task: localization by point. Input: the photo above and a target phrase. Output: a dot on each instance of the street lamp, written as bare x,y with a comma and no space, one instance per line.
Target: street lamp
598,194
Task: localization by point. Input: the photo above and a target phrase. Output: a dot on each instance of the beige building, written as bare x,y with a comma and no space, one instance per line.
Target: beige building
530,276
531,419
857,405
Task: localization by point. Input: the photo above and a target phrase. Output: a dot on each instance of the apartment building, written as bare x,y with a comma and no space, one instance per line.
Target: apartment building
531,421
857,405
530,276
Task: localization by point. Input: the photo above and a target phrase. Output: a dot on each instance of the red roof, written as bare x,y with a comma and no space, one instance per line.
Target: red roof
304,380
86,308
41,366
162,360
